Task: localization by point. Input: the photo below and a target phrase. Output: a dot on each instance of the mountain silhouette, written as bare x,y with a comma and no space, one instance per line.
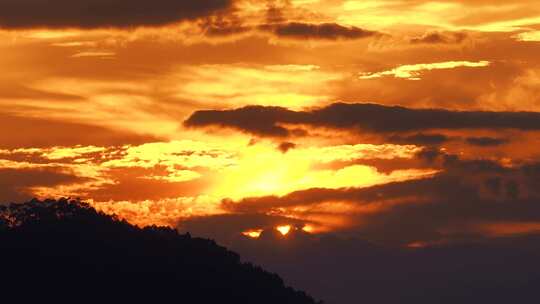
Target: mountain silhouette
66,250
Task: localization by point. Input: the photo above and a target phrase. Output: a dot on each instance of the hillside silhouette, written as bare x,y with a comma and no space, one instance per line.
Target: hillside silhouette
66,250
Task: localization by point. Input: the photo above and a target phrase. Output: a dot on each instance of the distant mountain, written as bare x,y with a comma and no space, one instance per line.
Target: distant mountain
65,250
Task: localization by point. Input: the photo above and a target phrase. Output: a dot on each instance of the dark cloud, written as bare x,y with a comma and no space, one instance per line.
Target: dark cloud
486,141
275,13
268,121
323,31
447,205
224,30
391,191
440,38
223,24
15,183
420,139
258,120
286,146
429,210
103,13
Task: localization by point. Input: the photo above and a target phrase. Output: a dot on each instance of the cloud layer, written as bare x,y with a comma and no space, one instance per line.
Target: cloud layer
270,121
329,31
15,14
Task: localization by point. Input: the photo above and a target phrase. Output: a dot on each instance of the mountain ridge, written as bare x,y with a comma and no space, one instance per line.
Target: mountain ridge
68,246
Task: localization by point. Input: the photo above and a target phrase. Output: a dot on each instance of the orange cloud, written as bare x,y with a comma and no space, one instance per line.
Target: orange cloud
531,36
413,71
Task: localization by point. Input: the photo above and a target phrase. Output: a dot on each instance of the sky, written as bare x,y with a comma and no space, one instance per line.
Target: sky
403,122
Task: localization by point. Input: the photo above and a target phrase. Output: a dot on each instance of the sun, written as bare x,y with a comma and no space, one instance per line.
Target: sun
284,230
253,233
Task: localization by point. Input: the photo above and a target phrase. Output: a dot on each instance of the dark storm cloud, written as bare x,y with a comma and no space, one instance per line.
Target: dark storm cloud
323,31
103,13
268,121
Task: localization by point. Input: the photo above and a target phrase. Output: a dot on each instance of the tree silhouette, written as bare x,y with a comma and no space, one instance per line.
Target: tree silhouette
66,250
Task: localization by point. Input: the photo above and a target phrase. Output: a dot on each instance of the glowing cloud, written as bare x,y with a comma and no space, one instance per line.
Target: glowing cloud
531,36
104,55
293,86
253,233
284,230
414,71
221,169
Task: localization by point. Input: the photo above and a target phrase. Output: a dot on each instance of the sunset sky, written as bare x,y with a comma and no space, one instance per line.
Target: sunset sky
408,122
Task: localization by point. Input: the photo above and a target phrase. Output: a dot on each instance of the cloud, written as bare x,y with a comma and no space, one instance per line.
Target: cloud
286,146
530,36
315,196
448,205
271,121
224,24
435,139
161,212
322,31
198,173
16,184
32,132
15,14
104,55
486,141
440,38
420,139
413,71
291,85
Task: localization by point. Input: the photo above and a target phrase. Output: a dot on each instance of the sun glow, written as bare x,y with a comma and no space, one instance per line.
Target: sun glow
235,169
262,169
308,229
284,230
253,233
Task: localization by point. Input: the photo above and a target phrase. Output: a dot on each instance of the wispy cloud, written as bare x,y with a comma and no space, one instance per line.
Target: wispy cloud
104,55
414,71
528,36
